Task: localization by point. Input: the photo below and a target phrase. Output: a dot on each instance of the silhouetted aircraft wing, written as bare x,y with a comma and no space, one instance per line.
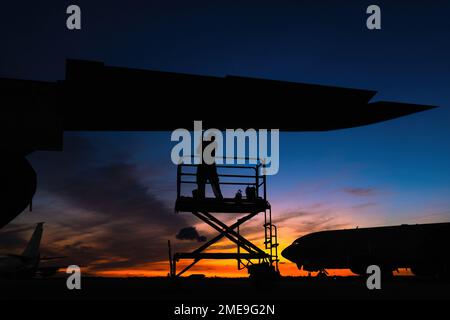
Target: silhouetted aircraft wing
52,258
49,271
97,97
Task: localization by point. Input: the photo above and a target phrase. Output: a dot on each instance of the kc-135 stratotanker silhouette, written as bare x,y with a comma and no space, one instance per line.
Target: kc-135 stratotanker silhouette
94,96
423,248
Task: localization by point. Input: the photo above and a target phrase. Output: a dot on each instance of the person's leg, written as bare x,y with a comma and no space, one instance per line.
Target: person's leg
201,183
215,185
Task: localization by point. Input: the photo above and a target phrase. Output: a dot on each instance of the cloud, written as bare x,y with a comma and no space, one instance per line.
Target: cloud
360,192
365,205
314,217
190,233
101,211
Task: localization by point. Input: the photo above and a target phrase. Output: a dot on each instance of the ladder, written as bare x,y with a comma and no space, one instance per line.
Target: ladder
271,238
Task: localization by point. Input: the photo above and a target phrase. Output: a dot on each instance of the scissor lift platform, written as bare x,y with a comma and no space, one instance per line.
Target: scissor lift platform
247,254
226,205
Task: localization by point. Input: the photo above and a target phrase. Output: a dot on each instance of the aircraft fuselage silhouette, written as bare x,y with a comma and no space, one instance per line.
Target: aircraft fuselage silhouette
422,247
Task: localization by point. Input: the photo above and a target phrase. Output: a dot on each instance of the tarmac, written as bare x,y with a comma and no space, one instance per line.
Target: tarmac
287,289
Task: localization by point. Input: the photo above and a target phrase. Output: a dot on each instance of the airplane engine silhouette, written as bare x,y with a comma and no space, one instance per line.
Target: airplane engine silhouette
17,187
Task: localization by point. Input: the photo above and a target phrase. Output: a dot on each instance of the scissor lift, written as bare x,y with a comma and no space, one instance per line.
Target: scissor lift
259,262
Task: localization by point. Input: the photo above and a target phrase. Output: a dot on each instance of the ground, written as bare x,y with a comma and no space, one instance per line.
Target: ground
223,289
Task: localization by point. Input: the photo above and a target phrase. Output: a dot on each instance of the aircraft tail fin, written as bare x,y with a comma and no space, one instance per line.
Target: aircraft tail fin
33,246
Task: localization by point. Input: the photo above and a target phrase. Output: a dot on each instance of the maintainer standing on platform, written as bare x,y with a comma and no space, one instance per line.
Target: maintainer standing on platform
207,172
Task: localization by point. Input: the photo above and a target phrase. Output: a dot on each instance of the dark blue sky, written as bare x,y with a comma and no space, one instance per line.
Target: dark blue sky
311,41
388,173
323,42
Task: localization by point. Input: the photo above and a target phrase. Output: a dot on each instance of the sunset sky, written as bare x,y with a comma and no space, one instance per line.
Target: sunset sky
108,198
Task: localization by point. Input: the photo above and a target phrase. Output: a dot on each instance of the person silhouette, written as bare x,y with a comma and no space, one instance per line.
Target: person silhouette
208,172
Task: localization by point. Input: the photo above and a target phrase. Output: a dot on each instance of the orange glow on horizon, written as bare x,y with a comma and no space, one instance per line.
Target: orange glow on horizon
212,268
220,268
